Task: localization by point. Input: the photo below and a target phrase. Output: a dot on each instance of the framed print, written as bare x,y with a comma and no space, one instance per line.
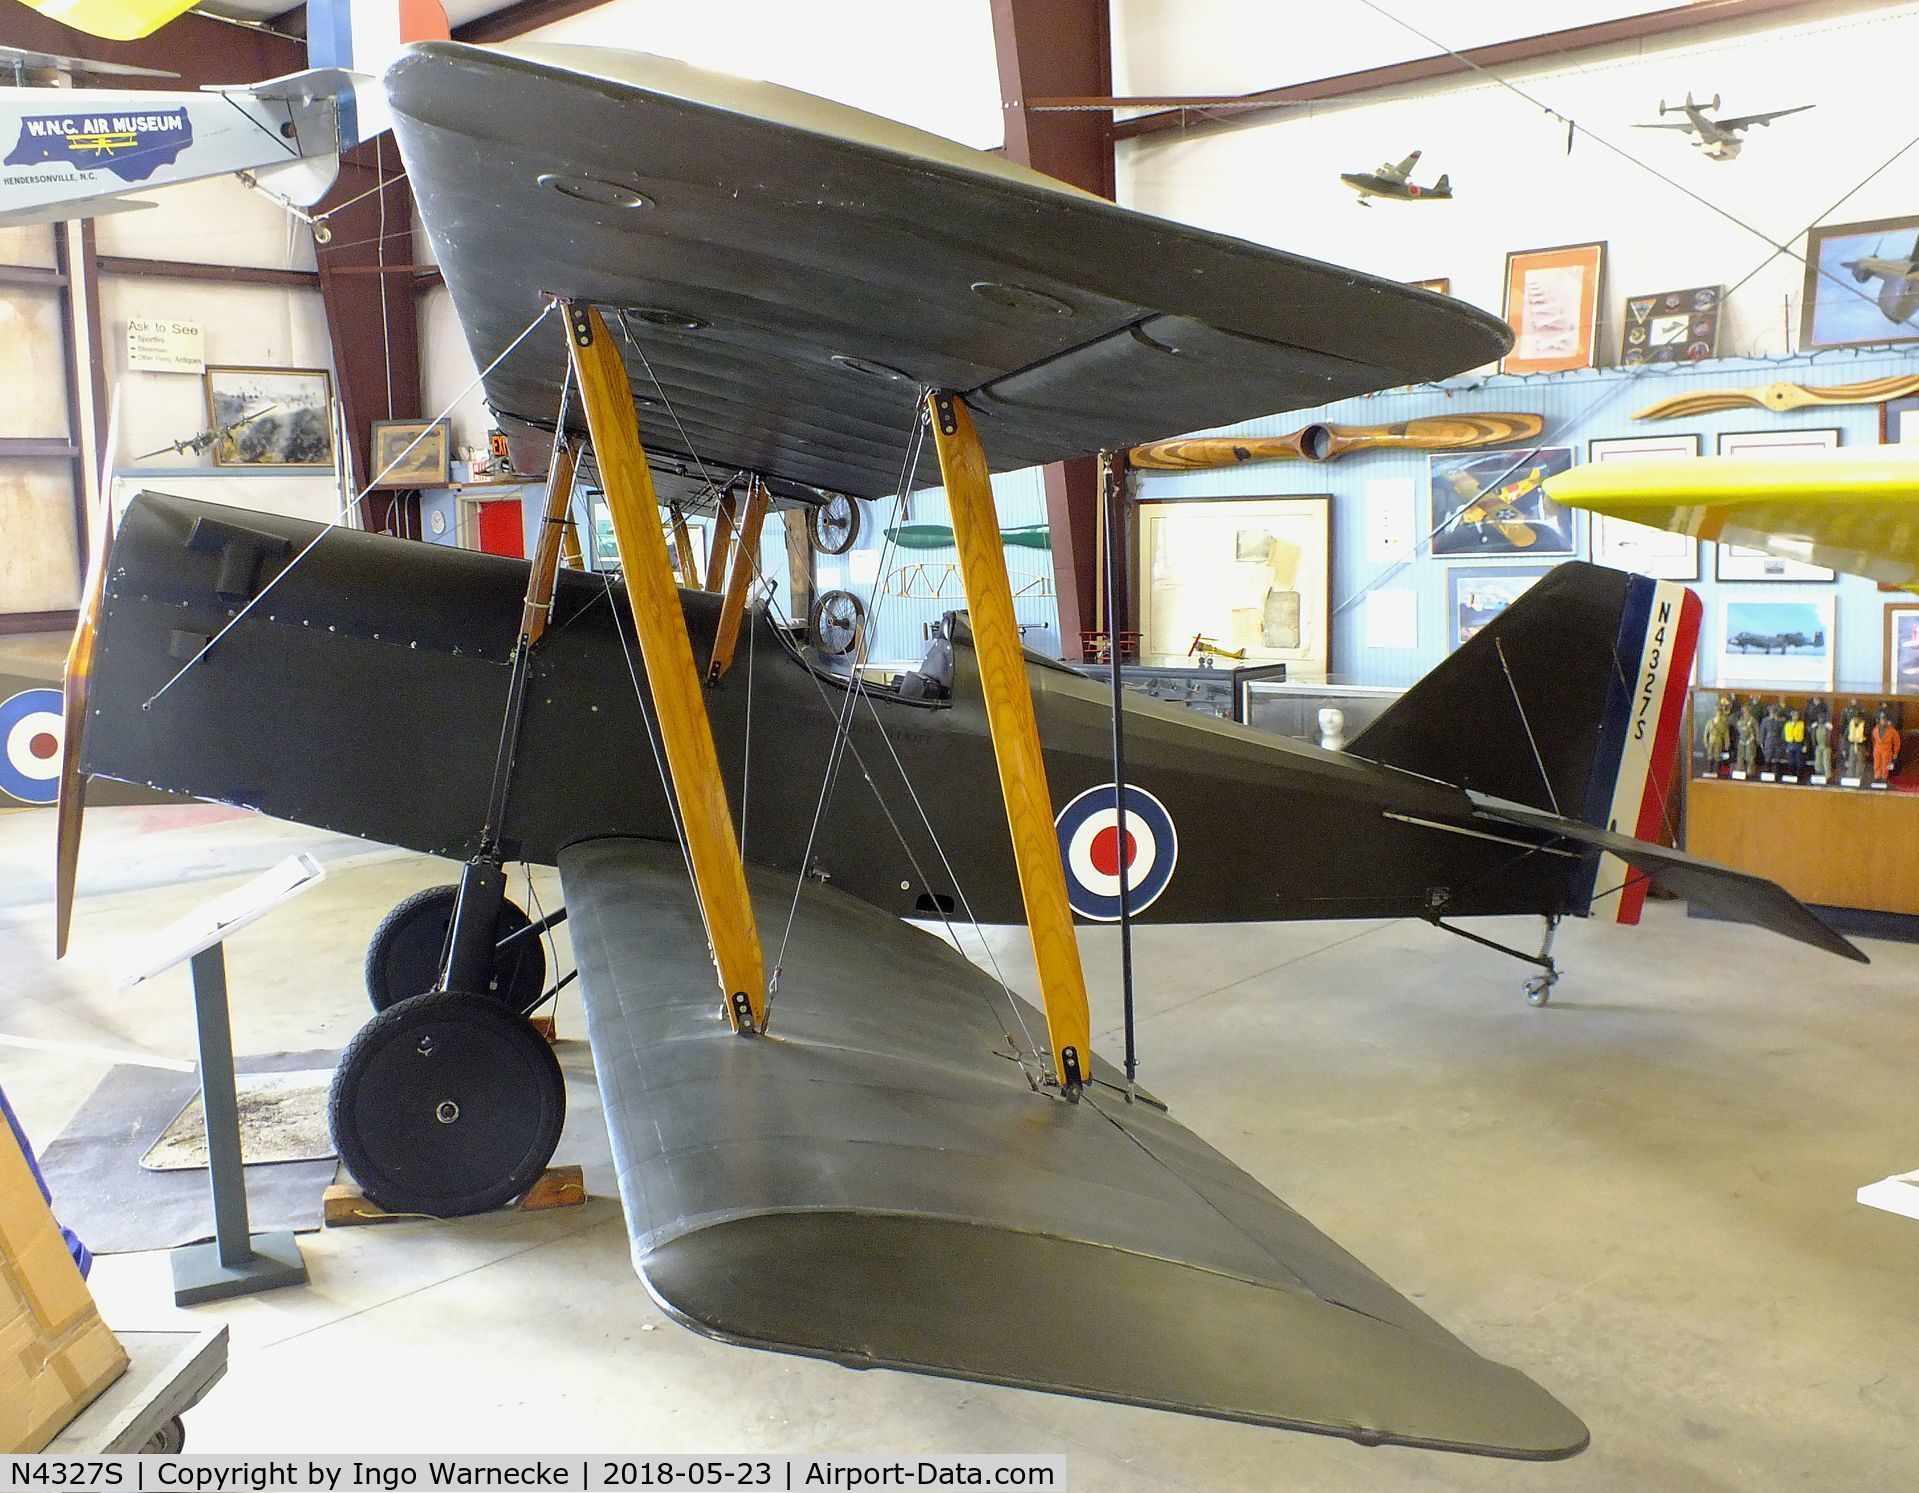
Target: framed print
412,453
1858,288
1674,326
1552,305
1639,548
1902,649
1249,574
1476,595
1775,643
1738,562
270,417
1441,286
1494,503
1899,421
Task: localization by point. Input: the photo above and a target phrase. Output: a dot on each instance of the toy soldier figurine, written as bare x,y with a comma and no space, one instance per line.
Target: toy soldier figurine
1719,736
1885,746
1772,745
1822,748
1855,740
1795,734
1747,760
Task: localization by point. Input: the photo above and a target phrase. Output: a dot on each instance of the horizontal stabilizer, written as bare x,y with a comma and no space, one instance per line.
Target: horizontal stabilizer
1731,894
877,1184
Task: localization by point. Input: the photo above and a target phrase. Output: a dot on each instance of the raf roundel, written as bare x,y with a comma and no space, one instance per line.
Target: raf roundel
32,728
1089,844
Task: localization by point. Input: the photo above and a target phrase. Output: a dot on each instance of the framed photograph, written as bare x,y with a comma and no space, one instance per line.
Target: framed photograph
1738,562
1857,288
1902,649
1552,305
412,453
270,417
1899,421
1493,503
1442,286
1639,548
1475,595
1775,644
1674,326
1251,576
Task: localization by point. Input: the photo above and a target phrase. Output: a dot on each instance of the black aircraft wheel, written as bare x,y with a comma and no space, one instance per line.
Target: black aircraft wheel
835,622
403,958
446,1104
833,526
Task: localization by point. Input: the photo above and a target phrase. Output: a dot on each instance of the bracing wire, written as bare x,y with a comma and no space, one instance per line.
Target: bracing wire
334,522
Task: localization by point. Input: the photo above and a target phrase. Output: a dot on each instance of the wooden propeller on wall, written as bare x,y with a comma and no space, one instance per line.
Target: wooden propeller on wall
1330,442
1780,396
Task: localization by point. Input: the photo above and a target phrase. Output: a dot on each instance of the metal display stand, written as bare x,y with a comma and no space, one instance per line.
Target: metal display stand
236,1261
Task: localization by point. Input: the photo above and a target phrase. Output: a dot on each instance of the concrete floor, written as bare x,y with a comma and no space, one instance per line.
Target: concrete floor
1642,1196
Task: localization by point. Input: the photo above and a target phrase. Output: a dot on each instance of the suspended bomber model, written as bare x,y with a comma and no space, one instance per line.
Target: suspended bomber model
878,1156
1718,139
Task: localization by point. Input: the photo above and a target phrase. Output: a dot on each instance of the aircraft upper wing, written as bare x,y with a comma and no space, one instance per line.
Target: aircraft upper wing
1747,121
876,1183
1852,510
796,269
1400,172
1666,124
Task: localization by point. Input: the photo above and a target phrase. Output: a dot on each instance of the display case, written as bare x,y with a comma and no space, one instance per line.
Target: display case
1838,838
1293,709
1216,691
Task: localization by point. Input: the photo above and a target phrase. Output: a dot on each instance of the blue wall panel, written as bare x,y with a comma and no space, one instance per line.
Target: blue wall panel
1592,404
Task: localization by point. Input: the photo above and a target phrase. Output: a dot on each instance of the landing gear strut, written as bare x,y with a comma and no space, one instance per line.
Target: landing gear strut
1539,989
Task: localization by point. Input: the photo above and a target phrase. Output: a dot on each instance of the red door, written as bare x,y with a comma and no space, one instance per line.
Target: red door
502,530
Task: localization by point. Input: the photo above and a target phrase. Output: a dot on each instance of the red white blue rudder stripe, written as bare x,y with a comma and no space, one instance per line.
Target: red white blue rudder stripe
1639,742
1090,848
32,728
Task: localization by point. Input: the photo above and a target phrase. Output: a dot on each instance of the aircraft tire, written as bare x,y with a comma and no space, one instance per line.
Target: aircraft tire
403,956
446,1104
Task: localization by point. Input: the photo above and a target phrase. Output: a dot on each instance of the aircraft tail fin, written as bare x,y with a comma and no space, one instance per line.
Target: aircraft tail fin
1568,701
1443,187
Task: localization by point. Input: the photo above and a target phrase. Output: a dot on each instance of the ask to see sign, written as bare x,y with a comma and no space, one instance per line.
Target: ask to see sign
160,345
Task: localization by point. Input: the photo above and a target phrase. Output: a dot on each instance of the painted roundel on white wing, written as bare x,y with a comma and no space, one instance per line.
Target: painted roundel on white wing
1091,848
32,728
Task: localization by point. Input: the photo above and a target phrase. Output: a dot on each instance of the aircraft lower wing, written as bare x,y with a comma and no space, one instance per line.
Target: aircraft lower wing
877,1184
1720,889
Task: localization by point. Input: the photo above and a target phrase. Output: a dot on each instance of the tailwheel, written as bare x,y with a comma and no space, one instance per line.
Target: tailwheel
1539,989
404,957
446,1104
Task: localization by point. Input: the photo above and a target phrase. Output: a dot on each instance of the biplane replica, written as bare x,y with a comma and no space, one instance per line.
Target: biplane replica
835,1135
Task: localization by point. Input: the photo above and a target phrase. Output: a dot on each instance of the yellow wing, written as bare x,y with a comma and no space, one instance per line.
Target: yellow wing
1856,511
117,20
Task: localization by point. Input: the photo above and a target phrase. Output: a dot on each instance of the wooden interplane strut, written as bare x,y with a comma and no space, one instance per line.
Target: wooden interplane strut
745,557
689,558
554,524
1015,730
726,515
672,677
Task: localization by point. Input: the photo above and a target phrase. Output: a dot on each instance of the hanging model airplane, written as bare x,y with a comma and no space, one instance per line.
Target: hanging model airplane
848,1141
1719,139
1396,184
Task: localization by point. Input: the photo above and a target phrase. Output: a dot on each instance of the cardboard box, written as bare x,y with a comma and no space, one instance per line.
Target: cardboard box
55,1352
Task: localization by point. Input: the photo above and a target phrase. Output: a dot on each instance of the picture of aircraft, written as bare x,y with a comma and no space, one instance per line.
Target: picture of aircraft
1780,642
1395,183
1499,509
835,1135
1898,281
1718,138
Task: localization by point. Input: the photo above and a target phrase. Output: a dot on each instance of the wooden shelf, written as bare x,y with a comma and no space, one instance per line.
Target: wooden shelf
1835,847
